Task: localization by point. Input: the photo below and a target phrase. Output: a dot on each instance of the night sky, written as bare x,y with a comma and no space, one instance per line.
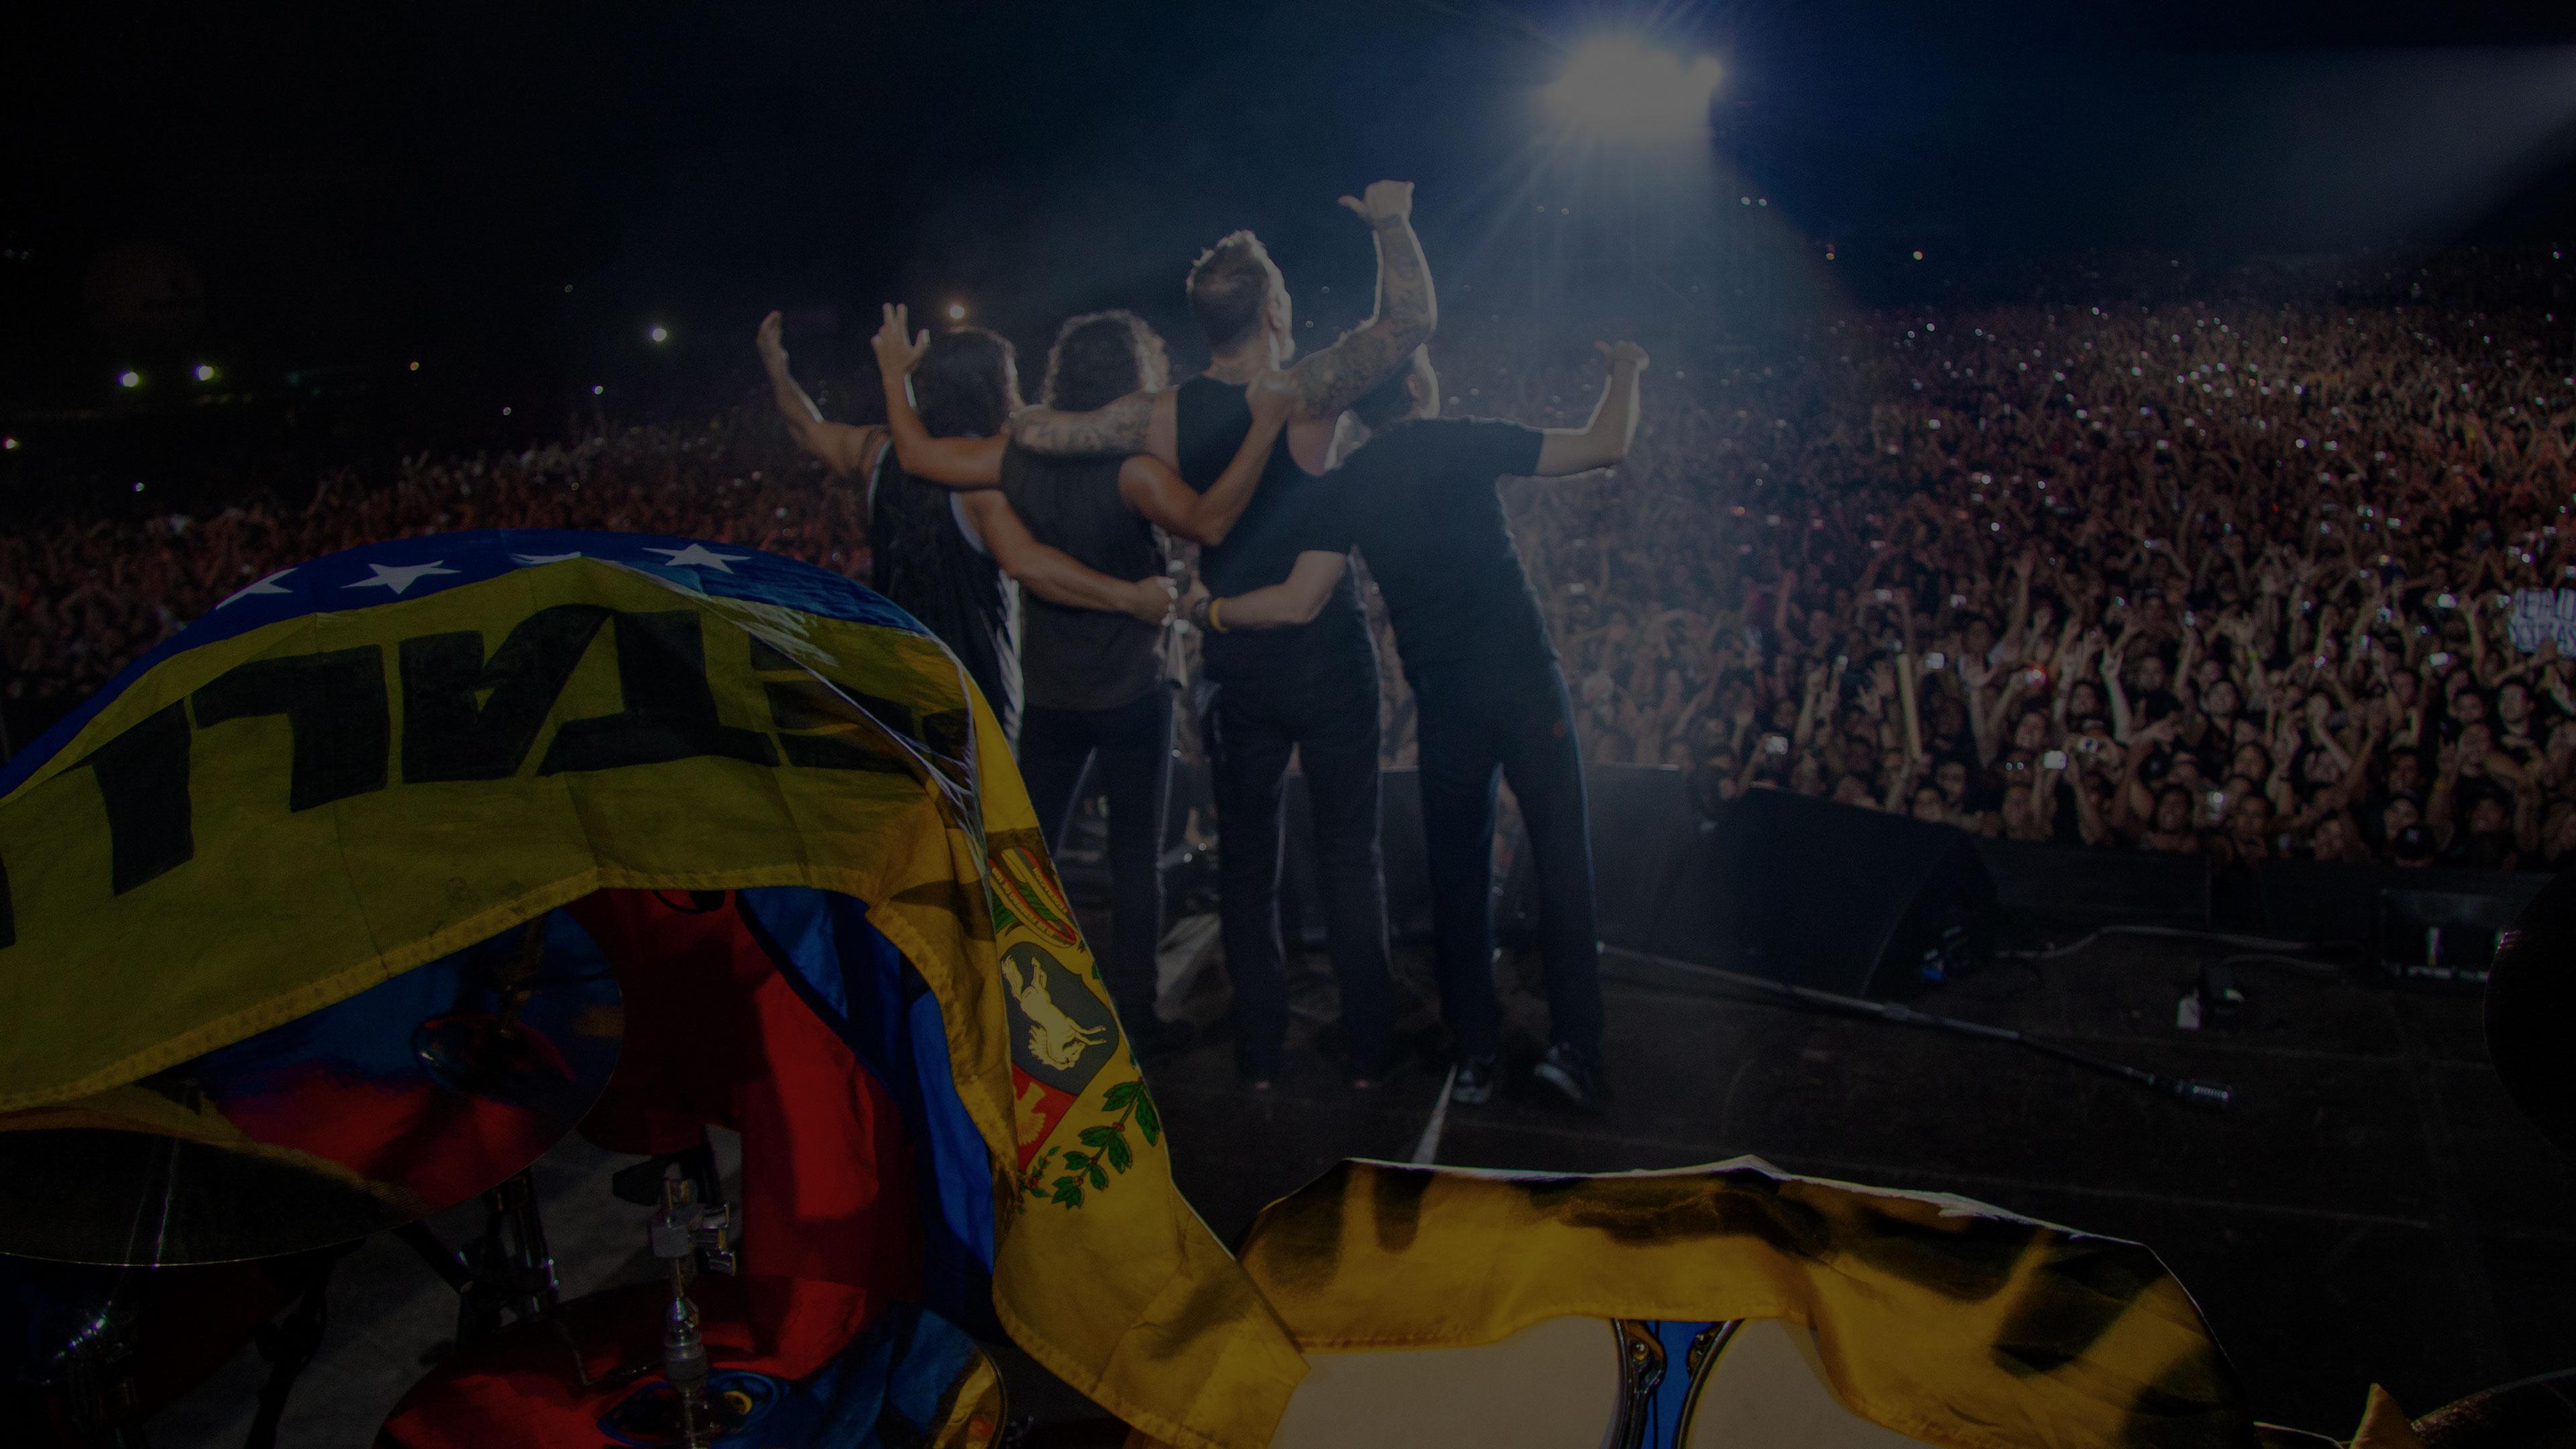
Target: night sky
364,186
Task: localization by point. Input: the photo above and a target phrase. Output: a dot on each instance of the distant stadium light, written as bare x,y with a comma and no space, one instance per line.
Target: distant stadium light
129,378
659,333
596,389
205,372
1619,86
956,311
11,444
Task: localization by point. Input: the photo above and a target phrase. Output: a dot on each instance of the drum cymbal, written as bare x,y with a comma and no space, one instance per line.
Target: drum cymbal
2531,1008
412,1096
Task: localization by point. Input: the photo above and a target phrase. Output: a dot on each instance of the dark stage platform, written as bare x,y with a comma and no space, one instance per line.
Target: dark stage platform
2372,1209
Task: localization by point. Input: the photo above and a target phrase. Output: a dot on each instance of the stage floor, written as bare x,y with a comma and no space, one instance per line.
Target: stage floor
2371,1209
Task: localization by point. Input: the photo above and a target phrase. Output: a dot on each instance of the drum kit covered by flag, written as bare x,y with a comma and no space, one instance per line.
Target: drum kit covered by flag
349,901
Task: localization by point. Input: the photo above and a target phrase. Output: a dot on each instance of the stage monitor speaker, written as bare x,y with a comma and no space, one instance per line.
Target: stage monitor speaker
1642,823
1836,897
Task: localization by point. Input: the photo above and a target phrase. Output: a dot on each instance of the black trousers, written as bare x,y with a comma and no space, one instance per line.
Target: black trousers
1324,707
1479,725
1131,746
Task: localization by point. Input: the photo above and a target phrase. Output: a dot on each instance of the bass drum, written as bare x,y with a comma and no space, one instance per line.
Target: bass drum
1584,1383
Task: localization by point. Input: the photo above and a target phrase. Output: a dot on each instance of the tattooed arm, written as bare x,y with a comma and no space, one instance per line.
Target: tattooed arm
1407,310
1327,382
1140,422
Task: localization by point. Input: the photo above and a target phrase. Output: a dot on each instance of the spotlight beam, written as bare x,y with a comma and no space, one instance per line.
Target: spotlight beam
1617,86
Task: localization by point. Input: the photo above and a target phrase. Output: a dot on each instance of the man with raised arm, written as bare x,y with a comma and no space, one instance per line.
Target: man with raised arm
1419,501
1099,696
927,551
1312,690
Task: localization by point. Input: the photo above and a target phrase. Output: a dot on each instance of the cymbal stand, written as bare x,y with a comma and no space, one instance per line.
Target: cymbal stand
683,1231
512,1269
96,1368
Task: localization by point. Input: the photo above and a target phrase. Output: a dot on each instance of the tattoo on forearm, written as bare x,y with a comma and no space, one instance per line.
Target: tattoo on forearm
1120,427
1336,377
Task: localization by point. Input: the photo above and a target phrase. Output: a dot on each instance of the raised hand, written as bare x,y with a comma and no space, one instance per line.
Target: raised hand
771,342
1383,202
897,356
1623,354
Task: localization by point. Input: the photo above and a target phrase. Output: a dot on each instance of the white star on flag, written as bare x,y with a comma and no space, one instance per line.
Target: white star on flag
697,556
399,577
264,586
531,560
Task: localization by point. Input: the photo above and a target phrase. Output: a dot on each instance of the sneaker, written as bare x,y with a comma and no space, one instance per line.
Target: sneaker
1474,1086
1576,1075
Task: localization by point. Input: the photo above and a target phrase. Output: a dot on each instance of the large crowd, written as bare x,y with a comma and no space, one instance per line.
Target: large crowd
2227,577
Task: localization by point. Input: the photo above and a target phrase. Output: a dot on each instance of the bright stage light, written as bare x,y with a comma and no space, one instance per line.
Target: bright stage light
1620,86
956,311
205,372
659,333
129,378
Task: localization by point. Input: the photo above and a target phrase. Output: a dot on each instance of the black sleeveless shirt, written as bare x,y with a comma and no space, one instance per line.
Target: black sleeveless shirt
919,557
1084,658
1212,419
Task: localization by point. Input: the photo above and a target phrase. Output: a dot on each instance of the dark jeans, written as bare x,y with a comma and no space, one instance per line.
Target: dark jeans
1479,724
1328,716
1131,746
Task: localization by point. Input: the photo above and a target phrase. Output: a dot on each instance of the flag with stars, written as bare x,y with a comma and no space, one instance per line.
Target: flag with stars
360,765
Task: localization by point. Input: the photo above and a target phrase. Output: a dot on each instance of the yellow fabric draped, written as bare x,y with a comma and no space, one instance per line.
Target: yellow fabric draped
269,823
1945,1320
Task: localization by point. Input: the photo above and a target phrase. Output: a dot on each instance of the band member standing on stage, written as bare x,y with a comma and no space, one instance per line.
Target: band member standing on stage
927,550
1312,690
1099,690
1419,501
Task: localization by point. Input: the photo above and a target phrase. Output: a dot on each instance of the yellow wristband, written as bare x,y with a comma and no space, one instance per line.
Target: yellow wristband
1216,615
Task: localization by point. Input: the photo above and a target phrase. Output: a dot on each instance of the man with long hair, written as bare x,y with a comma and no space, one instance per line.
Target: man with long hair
1419,501
1312,690
926,550
1099,686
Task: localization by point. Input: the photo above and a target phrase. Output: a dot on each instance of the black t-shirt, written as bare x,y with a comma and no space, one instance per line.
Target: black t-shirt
1419,501
921,560
1084,658
1332,652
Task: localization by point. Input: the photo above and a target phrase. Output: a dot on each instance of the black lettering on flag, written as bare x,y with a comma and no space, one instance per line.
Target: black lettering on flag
336,716
670,709
143,777
447,735
811,704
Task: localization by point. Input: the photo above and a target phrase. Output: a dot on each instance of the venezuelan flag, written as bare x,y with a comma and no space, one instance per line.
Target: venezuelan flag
370,762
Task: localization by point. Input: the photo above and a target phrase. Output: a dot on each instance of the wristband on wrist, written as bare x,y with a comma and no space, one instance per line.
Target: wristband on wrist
1216,615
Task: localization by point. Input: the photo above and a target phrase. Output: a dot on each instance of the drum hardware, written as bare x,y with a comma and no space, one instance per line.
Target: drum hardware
289,1344
1706,1345
1642,1363
680,1234
95,1369
511,1269
641,1183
